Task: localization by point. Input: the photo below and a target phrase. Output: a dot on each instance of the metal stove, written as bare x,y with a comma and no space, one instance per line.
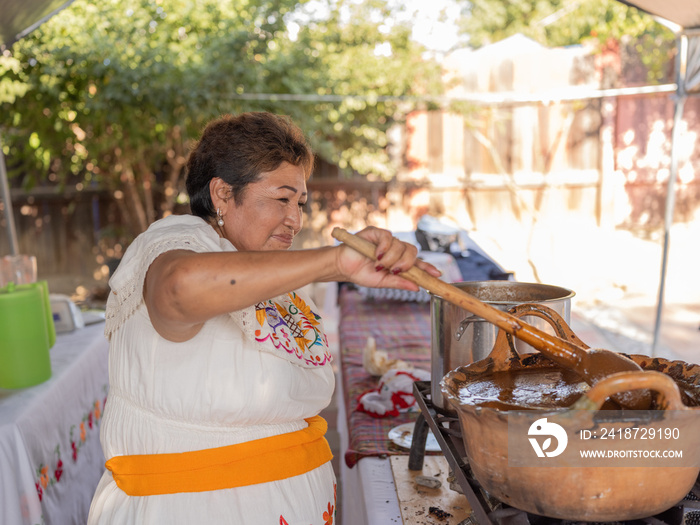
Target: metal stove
487,510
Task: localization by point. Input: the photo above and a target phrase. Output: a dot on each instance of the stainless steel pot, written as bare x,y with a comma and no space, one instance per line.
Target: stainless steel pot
459,337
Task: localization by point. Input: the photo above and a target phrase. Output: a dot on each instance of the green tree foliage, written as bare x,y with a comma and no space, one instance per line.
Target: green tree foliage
570,22
362,73
109,93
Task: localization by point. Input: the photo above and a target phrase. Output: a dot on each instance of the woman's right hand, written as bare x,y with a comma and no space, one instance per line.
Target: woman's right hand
393,257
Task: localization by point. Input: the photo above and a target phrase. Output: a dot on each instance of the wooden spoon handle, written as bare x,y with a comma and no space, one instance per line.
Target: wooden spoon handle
560,350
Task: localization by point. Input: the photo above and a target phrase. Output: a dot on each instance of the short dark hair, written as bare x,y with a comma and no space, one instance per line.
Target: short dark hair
237,149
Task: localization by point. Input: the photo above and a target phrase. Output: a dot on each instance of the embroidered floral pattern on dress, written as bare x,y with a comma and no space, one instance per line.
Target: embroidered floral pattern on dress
289,324
328,515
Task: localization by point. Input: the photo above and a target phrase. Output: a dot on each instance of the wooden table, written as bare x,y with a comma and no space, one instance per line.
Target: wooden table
401,328
376,482
423,505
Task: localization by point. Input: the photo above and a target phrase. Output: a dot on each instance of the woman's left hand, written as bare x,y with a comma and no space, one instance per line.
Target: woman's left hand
393,257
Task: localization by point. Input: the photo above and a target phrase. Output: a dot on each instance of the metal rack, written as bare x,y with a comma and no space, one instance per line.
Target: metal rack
487,510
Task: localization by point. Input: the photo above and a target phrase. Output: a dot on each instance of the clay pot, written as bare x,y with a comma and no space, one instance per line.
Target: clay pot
569,489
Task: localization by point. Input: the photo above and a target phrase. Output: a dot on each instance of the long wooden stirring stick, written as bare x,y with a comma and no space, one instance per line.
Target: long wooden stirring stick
591,365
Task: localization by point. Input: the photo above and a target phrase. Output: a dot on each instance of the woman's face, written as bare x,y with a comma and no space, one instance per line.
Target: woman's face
268,214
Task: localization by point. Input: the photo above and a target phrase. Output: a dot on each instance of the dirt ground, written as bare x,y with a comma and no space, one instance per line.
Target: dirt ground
616,276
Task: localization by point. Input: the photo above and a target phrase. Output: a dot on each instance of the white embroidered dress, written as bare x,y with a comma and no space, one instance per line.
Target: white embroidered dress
247,375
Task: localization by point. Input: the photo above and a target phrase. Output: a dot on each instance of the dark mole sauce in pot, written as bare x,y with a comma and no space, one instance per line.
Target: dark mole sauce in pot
523,389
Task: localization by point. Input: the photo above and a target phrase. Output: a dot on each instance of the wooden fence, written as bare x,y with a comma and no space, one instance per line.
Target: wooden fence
605,162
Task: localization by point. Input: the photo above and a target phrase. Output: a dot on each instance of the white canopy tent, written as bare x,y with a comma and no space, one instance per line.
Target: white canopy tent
18,19
21,17
683,17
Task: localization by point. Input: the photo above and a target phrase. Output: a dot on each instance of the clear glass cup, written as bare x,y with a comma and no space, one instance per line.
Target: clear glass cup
20,269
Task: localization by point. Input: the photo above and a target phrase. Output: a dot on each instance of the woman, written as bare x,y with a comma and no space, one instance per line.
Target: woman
218,367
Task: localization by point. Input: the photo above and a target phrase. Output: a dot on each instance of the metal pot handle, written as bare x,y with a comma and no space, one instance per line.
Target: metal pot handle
504,348
670,395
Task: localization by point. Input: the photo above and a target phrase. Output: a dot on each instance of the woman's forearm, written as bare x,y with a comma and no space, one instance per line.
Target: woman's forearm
184,289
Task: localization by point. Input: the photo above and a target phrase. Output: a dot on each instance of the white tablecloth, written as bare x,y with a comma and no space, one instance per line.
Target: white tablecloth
50,453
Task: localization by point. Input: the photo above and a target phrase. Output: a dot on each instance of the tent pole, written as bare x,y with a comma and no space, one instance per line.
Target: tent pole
7,205
681,64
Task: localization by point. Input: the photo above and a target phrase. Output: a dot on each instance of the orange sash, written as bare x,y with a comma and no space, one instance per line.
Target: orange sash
258,461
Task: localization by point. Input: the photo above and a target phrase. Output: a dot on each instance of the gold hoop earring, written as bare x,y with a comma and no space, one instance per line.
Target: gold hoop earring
220,220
